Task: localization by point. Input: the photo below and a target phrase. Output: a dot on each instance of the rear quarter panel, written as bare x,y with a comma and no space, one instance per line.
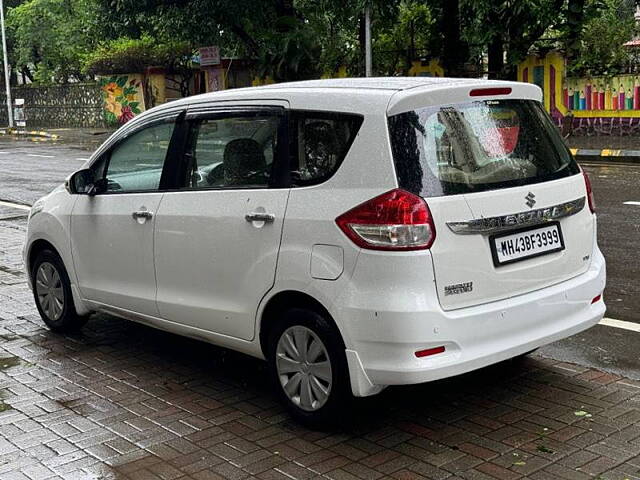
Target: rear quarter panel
367,171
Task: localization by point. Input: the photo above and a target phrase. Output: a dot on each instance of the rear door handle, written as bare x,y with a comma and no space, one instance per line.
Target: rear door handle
142,214
260,217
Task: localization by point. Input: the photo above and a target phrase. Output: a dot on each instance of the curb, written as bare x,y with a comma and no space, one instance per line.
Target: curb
29,133
612,155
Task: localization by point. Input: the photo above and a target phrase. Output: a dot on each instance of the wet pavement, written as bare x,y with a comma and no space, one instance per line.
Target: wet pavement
122,400
30,170
619,235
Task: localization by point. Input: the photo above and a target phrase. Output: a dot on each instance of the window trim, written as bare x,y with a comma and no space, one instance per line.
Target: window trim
174,149
279,177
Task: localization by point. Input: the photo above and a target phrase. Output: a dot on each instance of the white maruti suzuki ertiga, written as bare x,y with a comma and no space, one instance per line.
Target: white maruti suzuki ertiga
355,233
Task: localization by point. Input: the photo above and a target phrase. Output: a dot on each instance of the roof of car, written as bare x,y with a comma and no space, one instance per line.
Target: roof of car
351,94
375,83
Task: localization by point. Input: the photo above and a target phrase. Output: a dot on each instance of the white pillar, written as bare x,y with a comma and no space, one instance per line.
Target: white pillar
367,40
6,66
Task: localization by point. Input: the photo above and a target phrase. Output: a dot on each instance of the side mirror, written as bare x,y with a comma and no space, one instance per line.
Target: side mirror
82,182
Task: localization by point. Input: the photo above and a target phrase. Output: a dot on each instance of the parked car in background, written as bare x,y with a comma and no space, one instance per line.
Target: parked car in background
355,233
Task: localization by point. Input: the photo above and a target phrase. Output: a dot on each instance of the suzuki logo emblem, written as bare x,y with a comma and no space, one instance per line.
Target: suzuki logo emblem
530,199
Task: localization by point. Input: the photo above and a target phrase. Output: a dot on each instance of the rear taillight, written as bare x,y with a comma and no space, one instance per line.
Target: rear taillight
396,220
587,183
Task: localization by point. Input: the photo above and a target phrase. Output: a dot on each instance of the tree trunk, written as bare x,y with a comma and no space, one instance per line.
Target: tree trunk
285,8
575,21
26,73
496,57
455,51
361,42
248,40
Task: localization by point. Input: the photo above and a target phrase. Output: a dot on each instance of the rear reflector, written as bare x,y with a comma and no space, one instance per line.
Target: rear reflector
489,92
596,298
429,351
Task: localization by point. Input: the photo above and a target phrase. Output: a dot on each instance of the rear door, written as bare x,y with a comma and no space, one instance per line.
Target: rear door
217,236
508,200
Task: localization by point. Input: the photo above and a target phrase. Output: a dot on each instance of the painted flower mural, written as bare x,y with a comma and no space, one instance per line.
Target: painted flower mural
122,98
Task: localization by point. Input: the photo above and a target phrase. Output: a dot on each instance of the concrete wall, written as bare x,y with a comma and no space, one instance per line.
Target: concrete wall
59,106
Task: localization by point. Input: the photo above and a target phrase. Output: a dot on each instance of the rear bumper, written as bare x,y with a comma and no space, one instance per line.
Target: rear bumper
381,351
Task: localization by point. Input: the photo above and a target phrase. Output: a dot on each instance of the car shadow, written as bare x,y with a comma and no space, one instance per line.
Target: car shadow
183,363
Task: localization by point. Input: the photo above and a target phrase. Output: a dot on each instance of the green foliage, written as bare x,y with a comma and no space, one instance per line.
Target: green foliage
51,37
515,25
63,40
127,55
404,38
290,52
601,50
333,23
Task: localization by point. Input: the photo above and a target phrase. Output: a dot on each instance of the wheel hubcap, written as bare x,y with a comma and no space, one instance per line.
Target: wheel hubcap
304,368
49,290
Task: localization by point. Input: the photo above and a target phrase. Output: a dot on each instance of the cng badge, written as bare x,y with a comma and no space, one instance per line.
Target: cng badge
458,288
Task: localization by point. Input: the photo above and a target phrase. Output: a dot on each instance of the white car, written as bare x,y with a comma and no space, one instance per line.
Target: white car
355,233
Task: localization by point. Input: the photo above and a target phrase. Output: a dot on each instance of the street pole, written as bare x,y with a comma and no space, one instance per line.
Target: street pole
367,40
6,66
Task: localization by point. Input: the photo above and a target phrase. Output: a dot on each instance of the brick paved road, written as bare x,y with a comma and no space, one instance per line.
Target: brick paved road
125,401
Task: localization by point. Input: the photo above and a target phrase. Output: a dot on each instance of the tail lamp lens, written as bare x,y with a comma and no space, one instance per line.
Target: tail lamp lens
587,183
396,220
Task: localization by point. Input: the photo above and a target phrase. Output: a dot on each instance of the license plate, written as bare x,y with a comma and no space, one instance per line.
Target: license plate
526,243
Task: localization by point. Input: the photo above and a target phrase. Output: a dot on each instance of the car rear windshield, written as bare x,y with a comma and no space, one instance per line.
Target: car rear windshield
477,146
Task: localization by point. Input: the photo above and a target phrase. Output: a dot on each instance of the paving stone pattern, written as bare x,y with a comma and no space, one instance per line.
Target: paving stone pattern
121,400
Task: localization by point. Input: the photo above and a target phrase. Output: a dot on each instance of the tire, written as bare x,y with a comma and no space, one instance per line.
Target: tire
52,293
312,409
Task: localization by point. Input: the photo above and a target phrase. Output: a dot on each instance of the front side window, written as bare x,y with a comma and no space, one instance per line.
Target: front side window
320,142
476,146
237,151
136,163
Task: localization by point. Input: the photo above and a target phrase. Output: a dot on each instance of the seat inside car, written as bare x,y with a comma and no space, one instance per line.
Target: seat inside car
243,160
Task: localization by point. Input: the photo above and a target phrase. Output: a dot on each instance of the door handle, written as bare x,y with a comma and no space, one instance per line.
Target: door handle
260,217
142,214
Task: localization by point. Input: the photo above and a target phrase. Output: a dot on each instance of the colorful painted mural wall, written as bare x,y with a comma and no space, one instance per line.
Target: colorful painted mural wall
601,93
585,106
123,97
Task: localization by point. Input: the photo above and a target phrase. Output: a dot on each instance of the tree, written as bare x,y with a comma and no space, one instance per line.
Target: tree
50,37
456,50
403,37
599,49
508,28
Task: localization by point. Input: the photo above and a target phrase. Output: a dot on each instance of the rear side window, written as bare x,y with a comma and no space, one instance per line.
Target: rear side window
319,143
477,146
232,151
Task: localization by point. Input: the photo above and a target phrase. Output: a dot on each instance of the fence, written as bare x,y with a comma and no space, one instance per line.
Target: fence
59,106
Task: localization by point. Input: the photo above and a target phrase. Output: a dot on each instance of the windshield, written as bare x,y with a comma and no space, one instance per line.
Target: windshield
476,146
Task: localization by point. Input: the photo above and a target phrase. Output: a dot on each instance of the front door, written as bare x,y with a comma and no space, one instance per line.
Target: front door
217,237
112,231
